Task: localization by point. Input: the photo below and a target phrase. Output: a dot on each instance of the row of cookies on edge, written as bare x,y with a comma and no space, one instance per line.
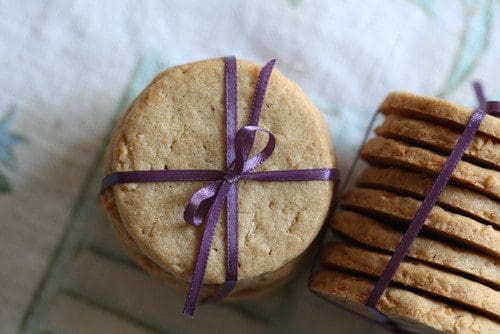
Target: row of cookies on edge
450,277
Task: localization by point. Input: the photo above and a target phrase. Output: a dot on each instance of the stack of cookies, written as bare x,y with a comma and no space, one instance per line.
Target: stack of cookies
449,280
178,123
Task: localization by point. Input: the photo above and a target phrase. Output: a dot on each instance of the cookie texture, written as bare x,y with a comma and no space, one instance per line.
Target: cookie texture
178,122
416,275
409,309
247,288
389,152
482,150
400,209
372,233
437,110
462,200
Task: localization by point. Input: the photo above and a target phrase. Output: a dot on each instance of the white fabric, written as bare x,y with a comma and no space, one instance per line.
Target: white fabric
65,64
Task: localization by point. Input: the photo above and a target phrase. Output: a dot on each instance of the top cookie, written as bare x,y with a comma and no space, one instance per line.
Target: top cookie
438,110
178,122
481,150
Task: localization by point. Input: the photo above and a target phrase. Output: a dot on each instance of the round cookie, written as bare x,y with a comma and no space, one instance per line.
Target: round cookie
415,275
437,110
251,287
462,200
408,309
178,122
482,149
372,233
402,209
389,152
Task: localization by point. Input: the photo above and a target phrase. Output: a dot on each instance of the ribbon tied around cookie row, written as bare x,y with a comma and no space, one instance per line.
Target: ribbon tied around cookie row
202,200
485,107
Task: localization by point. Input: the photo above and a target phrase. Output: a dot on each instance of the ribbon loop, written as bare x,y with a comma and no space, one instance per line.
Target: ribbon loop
200,203
244,145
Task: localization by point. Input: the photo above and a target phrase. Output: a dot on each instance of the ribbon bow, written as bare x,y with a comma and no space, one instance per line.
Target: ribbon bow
485,107
206,203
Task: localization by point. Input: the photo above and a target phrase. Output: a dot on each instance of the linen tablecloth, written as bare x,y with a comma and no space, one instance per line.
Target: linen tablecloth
68,68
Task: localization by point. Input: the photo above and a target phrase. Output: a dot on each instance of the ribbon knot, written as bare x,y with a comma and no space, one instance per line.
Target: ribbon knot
206,204
231,177
203,200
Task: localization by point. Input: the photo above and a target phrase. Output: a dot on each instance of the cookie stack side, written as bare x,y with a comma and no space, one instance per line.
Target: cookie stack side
450,278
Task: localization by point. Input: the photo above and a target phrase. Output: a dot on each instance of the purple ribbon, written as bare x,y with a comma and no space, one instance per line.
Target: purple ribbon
485,107
206,203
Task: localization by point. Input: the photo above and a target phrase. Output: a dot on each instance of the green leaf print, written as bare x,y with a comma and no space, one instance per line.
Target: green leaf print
294,3
426,6
473,43
4,184
8,141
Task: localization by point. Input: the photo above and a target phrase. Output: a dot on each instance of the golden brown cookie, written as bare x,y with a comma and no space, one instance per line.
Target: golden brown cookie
407,308
400,209
462,200
415,275
178,122
248,288
370,232
482,149
437,110
392,153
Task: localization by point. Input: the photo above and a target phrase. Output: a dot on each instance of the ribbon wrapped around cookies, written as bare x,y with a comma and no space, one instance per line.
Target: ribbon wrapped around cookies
384,197
207,203
485,107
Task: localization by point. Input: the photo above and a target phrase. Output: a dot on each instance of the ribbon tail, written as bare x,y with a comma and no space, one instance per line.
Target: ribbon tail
232,243
206,243
232,234
260,92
